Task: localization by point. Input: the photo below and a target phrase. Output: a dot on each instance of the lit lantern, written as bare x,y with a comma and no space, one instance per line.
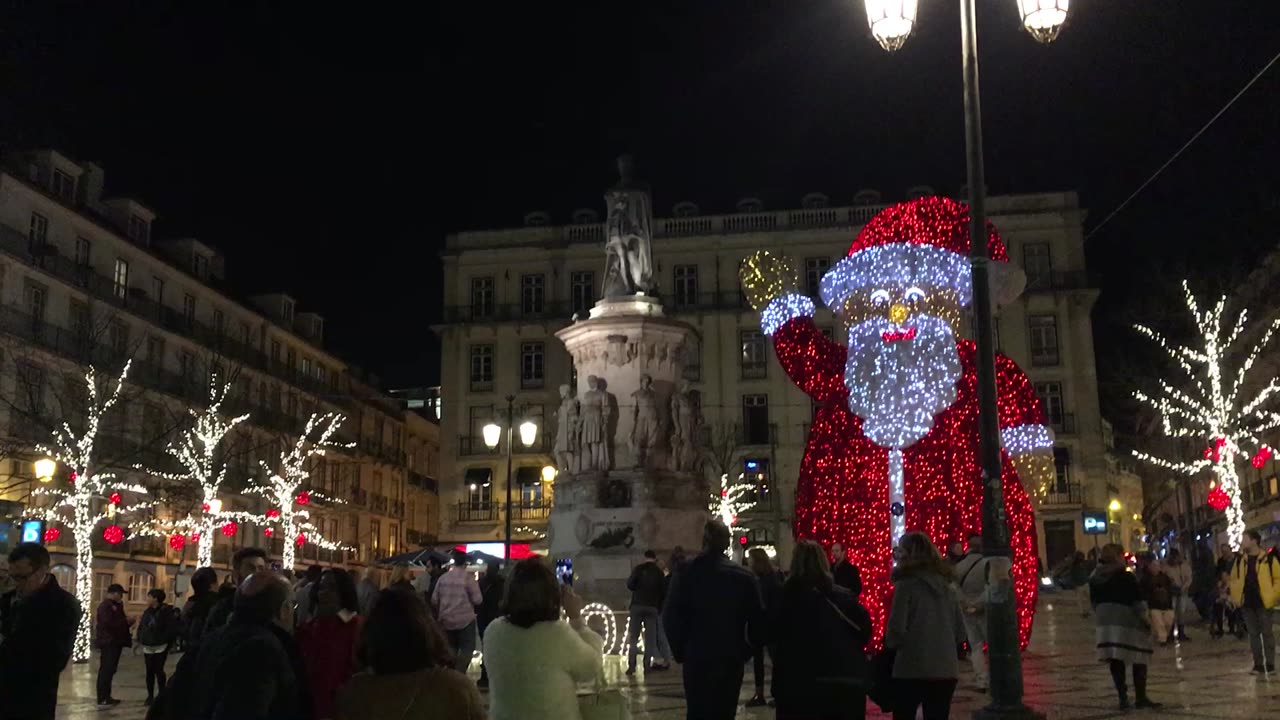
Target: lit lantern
229,529
891,21
492,433
528,433
177,541
113,534
1043,18
51,535
45,468
304,497
1218,499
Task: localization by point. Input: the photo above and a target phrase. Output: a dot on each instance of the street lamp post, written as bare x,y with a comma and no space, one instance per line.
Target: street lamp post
891,21
492,433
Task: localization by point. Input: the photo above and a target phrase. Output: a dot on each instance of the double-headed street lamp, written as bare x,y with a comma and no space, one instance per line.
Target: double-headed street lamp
891,22
492,435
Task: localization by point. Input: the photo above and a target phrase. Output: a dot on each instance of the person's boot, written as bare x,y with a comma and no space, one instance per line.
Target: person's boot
757,700
1140,688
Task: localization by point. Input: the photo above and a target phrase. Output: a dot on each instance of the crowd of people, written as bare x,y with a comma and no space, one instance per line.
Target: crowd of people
335,645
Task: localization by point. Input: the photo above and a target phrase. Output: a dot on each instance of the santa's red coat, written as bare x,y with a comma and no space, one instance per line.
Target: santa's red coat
842,492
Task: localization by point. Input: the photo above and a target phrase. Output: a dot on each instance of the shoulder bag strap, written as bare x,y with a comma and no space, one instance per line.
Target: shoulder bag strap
841,614
412,699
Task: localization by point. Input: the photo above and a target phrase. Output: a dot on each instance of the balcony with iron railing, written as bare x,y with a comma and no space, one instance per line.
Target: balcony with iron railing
1063,494
530,510
421,538
1062,280
481,512
756,433
424,482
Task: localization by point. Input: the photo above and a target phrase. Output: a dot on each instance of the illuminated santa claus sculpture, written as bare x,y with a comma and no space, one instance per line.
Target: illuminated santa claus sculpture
894,445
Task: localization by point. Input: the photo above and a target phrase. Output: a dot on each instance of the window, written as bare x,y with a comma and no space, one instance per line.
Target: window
39,232
121,278
102,581
37,300
244,333
306,368
393,538
291,359
582,290
139,229
201,264
118,337
219,323
31,379
155,350
692,361
275,351
755,420
152,423
186,365
83,251
354,530
1050,394
478,493
78,319
1062,469
66,576
64,186
531,494
686,285
814,269
292,409
322,374
755,360
286,312
189,308
755,472
1038,263
140,583
482,297
531,361
375,532
532,294
481,367
1043,332
157,289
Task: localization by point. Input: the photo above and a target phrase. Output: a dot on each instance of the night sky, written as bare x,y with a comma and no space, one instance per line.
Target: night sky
327,147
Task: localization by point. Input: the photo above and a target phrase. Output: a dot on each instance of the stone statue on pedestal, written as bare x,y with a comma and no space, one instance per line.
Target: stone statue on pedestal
686,429
567,449
628,267
647,429
595,411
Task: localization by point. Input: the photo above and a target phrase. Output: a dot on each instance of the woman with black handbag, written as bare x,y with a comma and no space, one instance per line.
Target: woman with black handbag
819,632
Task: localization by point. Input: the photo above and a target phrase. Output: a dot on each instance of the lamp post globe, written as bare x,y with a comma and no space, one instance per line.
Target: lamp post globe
891,21
528,432
45,468
1043,18
492,433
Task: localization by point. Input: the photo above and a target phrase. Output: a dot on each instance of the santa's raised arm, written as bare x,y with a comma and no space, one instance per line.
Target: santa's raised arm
894,444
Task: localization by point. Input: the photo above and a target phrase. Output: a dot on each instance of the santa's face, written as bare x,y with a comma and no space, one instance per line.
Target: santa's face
902,365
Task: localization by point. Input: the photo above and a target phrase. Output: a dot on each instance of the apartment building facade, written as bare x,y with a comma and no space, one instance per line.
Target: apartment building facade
507,291
83,280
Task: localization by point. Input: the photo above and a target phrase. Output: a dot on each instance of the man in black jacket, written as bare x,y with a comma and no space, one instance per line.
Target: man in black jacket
250,669
38,622
245,562
844,572
714,620
648,588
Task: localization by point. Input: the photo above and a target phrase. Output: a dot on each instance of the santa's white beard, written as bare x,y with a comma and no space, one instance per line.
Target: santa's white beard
897,387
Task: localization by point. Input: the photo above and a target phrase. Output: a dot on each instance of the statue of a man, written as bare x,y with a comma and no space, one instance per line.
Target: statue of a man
567,448
686,427
595,412
628,265
647,427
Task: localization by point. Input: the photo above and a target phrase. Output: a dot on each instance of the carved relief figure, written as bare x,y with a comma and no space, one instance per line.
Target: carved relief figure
595,411
568,447
646,431
686,428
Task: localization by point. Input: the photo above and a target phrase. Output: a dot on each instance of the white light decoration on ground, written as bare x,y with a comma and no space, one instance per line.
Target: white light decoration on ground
1043,18
194,449
282,490
1213,408
891,21
783,309
73,506
728,503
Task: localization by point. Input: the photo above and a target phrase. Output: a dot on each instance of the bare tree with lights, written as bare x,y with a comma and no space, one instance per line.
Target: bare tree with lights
1215,407
76,507
730,501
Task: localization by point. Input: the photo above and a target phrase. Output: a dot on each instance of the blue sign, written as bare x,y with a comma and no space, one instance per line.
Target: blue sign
1095,522
33,531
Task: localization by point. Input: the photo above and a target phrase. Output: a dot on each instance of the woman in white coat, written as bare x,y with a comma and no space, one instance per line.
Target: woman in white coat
535,659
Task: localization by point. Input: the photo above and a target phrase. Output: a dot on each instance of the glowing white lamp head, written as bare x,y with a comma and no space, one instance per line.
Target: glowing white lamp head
528,432
891,21
1043,18
1115,505
45,468
548,473
491,434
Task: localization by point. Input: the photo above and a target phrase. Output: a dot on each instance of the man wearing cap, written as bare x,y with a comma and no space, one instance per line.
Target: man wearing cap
111,637
894,444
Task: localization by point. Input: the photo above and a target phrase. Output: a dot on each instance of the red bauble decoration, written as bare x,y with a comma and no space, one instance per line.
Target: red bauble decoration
304,497
113,534
195,537
72,477
229,528
115,498
51,535
1264,454
273,513
205,507
302,538
268,532
1218,499
742,540
177,541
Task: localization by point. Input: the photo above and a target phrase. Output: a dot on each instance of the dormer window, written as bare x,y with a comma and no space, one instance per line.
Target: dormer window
64,186
201,267
286,312
139,230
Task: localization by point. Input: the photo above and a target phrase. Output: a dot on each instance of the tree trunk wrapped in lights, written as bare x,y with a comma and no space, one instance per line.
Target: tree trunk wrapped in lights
73,506
1214,408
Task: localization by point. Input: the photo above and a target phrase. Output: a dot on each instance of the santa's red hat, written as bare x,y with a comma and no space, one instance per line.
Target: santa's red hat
923,243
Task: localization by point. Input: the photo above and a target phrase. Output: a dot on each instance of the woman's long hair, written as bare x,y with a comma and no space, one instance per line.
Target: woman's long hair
348,599
400,635
532,594
916,555
759,561
809,567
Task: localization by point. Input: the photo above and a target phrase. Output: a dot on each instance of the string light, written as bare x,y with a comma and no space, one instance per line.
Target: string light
1213,407
766,276
782,309
914,464
196,451
729,502
73,506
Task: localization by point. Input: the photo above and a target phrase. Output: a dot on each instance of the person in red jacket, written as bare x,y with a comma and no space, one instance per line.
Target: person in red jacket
111,636
328,640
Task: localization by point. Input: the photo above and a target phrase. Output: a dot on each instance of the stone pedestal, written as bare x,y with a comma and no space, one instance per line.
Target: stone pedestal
605,519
